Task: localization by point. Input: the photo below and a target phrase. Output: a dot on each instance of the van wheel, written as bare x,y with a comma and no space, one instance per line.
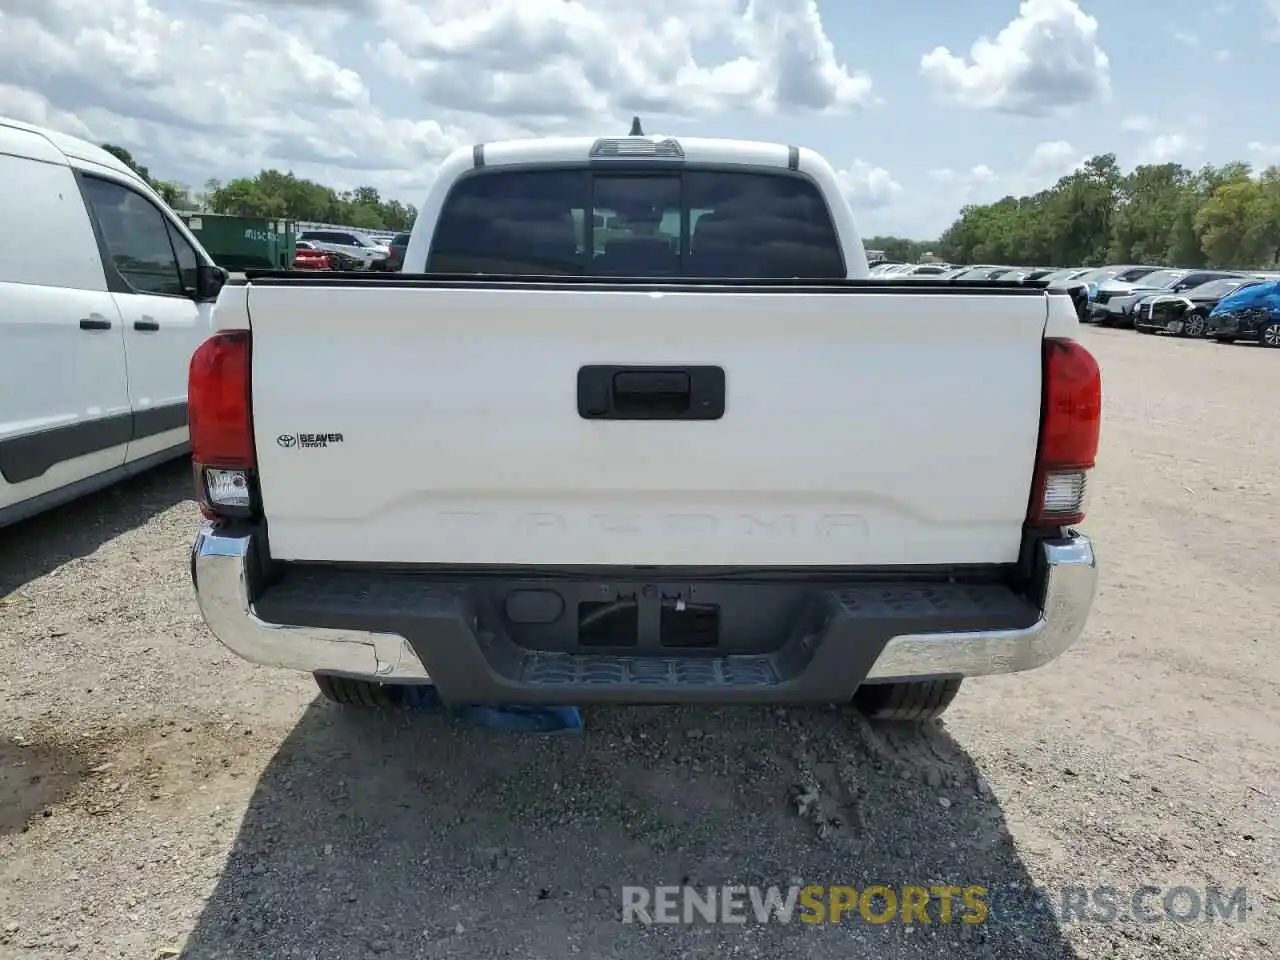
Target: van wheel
908,702
364,693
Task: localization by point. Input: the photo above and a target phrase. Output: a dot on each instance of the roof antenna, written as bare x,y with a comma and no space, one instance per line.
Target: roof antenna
635,128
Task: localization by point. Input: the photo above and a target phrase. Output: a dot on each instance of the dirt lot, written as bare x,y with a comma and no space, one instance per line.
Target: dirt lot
157,793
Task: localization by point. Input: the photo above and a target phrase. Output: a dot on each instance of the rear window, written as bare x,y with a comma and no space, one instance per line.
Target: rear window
1162,278
739,225
1220,288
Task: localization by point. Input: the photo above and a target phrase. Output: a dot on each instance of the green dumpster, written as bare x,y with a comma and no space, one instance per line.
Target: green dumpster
244,243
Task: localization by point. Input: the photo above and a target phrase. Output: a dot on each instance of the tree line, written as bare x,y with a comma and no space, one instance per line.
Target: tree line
1165,213
279,195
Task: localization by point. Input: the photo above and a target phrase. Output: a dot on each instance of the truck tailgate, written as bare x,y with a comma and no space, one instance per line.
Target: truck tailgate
440,424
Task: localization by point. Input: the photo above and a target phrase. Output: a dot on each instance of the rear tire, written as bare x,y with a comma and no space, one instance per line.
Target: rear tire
907,702
364,694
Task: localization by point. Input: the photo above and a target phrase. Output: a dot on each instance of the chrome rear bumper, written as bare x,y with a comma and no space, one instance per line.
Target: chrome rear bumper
1071,581
221,573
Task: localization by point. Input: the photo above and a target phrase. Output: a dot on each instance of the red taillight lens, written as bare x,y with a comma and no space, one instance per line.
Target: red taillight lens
1070,424
218,402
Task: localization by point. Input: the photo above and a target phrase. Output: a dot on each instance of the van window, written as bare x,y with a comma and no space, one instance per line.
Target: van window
730,224
137,236
329,236
49,241
185,254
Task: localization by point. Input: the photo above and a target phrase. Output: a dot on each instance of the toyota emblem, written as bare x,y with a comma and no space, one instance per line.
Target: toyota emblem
287,440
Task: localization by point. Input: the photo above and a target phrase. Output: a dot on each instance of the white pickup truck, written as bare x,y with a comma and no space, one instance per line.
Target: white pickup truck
632,425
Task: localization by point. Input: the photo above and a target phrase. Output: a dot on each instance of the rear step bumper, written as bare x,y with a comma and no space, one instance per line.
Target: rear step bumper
849,635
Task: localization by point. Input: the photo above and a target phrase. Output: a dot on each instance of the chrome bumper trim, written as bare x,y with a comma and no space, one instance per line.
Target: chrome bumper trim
220,570
1071,580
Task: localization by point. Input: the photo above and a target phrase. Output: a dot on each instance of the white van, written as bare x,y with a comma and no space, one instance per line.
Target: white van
104,295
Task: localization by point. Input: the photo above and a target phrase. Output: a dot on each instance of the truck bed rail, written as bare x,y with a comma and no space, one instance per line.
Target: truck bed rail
710,284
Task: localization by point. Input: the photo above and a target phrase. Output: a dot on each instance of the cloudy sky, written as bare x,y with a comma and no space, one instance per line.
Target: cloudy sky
922,106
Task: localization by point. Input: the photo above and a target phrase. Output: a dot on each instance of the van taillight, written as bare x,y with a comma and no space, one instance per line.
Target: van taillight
221,425
1070,422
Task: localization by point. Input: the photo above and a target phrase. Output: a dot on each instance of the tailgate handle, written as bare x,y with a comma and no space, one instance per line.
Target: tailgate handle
651,393
651,384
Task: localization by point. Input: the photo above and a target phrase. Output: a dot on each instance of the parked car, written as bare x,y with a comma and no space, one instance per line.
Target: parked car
307,257
981,272
552,557
356,249
894,269
1186,314
393,262
1114,305
1063,275
1251,313
104,295
1115,278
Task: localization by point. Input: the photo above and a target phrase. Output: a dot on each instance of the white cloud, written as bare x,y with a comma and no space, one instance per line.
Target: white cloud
1045,59
24,104
1169,148
1181,139
559,61
975,175
1051,155
924,210
226,87
1265,153
1188,40
227,92
868,187
1052,161
929,209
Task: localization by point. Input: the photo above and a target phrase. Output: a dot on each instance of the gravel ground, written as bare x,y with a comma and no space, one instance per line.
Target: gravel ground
158,795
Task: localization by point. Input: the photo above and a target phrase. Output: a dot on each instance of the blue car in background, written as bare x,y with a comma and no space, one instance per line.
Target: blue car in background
1252,313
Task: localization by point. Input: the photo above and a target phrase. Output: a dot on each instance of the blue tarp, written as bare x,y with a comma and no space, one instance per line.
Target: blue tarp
534,719
1262,296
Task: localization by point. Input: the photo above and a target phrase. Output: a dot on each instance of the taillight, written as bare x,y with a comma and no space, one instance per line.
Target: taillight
221,425
1070,422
